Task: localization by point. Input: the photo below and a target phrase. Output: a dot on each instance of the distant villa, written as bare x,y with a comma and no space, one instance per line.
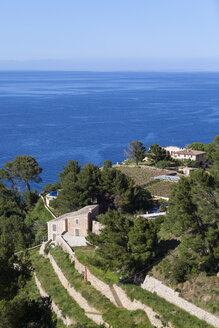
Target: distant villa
185,153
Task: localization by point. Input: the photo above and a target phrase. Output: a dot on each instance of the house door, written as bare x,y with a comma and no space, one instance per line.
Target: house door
77,232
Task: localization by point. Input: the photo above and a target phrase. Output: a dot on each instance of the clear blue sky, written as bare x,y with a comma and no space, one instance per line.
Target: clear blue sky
110,34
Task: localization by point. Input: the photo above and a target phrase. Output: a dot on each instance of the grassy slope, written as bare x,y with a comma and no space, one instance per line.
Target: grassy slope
37,222
84,256
39,212
159,187
34,294
169,312
53,287
116,317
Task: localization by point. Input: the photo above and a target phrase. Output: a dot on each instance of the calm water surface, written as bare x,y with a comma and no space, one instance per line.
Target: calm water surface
91,117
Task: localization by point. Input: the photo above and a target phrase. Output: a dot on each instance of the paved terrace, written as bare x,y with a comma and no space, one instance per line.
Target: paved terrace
74,241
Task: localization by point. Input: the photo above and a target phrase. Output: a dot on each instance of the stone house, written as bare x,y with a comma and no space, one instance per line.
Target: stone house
193,155
184,153
173,149
74,226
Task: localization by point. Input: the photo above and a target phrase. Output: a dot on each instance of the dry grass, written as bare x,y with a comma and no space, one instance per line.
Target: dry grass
144,176
201,290
160,188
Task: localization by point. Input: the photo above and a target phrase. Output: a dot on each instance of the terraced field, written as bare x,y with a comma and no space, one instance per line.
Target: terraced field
114,316
144,176
168,312
58,293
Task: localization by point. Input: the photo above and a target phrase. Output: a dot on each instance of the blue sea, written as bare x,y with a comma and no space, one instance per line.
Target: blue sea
92,116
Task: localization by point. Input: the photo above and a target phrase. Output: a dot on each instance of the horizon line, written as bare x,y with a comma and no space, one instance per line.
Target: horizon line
111,70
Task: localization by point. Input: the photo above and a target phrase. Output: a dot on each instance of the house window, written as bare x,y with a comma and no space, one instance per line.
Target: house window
54,227
54,237
76,221
77,232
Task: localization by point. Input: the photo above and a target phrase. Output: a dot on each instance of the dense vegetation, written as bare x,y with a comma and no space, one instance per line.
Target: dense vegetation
17,307
108,187
193,216
125,244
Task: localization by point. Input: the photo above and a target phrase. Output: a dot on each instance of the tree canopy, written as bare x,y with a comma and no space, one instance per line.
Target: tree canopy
17,308
194,217
23,168
125,243
109,187
107,163
156,153
136,151
215,161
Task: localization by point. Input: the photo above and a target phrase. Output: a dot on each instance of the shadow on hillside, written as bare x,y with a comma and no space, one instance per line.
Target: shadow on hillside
165,246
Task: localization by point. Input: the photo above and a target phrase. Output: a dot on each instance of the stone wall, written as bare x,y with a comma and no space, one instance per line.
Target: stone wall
90,312
80,222
67,321
153,285
150,284
96,227
95,282
59,226
136,305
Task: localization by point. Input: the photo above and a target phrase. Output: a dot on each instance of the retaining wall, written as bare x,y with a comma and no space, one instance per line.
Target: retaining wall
95,282
150,284
66,320
95,316
135,305
155,286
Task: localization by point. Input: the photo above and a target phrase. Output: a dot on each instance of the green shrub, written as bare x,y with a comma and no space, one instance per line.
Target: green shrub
162,164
